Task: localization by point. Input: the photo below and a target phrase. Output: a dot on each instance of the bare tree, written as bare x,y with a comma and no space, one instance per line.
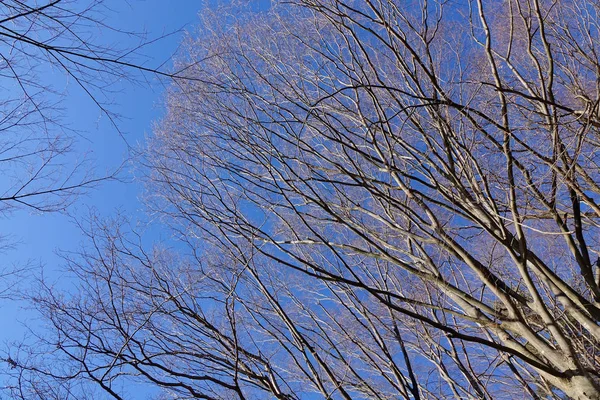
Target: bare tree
382,200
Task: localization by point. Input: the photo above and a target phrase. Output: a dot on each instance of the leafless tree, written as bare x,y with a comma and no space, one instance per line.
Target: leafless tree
382,199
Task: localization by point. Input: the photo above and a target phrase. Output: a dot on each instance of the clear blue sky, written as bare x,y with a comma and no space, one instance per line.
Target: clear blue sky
41,235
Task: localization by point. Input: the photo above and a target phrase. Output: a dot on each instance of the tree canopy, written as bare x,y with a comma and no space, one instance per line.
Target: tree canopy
378,199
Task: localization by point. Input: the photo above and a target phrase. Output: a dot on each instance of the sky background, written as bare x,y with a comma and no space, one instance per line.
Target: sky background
40,236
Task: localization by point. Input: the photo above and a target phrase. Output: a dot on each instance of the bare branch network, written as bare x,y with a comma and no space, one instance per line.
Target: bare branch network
44,48
379,200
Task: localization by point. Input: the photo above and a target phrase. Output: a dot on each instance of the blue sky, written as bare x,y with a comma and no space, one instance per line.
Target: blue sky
40,236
